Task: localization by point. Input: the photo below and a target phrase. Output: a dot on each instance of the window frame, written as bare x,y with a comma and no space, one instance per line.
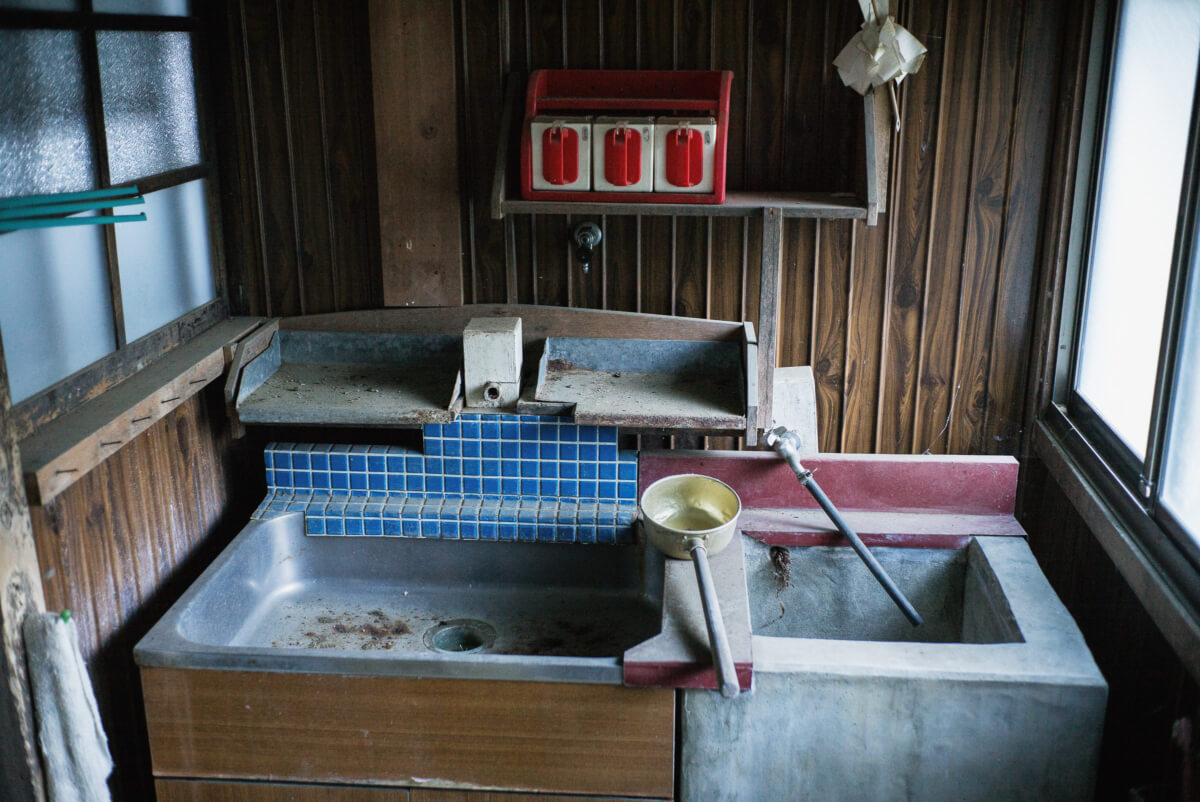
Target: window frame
1130,486
129,357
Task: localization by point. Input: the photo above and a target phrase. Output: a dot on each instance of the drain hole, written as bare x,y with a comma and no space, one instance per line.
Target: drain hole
461,636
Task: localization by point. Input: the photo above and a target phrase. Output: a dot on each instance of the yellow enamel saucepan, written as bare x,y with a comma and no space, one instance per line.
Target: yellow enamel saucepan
690,516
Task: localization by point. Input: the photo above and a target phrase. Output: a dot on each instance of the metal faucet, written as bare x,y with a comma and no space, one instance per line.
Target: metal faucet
787,443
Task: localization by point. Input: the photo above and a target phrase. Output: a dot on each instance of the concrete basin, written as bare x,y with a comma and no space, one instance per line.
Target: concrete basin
995,697
278,600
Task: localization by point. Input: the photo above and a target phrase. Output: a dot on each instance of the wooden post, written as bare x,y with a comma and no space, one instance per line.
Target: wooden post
20,593
768,311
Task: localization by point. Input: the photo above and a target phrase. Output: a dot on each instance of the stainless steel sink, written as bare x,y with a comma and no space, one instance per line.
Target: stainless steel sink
279,600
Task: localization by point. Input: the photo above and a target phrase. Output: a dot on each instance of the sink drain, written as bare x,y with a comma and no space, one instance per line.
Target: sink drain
460,636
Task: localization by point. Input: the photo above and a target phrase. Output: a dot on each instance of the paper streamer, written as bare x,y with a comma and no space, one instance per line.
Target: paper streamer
882,51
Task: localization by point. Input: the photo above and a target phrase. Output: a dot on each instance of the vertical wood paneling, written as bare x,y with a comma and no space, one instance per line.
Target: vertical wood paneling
830,293
120,545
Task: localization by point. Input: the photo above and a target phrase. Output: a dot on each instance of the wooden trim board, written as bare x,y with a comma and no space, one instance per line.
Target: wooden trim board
561,738
60,453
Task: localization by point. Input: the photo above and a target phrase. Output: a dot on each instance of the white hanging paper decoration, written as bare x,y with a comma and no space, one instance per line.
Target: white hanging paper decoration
880,52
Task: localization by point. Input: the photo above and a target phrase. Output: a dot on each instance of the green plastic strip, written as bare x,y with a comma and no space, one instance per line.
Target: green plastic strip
67,208
67,197
59,222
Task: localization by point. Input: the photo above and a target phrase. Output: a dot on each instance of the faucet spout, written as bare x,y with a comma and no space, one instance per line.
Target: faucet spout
787,444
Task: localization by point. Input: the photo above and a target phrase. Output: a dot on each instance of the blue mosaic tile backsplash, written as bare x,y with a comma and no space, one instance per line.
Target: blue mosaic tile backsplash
485,477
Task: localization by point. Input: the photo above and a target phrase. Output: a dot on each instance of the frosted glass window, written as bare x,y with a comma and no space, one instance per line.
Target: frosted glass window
1181,470
165,262
149,102
55,312
1134,232
45,142
174,8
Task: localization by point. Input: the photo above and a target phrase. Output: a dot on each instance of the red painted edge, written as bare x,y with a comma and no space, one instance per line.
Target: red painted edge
953,484
906,539
683,675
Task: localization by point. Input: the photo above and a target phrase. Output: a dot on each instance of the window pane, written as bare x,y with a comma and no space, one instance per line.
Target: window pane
149,102
1181,470
1139,191
55,313
45,143
165,262
174,8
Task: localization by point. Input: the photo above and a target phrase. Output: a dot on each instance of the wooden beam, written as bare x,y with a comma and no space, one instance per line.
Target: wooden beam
877,124
416,137
65,450
768,311
20,593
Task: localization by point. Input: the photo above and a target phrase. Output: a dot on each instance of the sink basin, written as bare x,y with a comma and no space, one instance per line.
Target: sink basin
276,599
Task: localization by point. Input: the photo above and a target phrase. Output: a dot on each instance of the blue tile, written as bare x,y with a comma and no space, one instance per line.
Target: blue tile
314,526
627,470
268,458
414,464
339,462
469,511
471,467
472,484
545,532
320,480
529,431
434,465
606,534
529,467
608,453
377,481
320,462
565,533
339,448
452,430
433,484
359,448
508,531
587,514
587,470
359,492
283,478
447,529
568,451
489,512
510,487
270,478
282,460
470,429
608,470
588,434
300,461
491,486
452,466
548,431
302,479
410,527
491,467
395,481
510,430
453,484
529,450
392,527
587,489
334,526
529,487
548,487
510,467
608,434
358,481
587,534
548,451
510,449
627,490
527,532
414,482
430,528
469,530
568,433
548,470
568,488
489,430
354,526
372,526
489,531
432,430
339,481
470,448
490,449
452,448
391,509
568,470
527,514
376,463
588,453
358,462
507,511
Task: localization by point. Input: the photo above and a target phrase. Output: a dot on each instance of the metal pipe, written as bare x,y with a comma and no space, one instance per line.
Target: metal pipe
786,443
717,637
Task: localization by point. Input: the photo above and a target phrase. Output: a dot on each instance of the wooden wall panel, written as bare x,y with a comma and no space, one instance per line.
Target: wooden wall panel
121,544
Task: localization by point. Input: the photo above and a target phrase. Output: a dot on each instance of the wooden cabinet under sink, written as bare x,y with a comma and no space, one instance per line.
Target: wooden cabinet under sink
318,735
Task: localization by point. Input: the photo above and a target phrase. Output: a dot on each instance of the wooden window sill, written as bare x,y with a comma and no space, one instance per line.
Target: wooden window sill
58,454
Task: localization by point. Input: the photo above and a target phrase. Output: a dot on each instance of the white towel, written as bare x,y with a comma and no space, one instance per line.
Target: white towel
74,748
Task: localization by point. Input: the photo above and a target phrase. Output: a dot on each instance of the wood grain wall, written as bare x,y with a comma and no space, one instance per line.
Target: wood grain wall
121,545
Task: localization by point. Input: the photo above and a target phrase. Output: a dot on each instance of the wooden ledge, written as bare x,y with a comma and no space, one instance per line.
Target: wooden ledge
63,451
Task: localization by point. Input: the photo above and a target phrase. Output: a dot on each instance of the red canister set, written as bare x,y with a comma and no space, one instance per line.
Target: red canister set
641,136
